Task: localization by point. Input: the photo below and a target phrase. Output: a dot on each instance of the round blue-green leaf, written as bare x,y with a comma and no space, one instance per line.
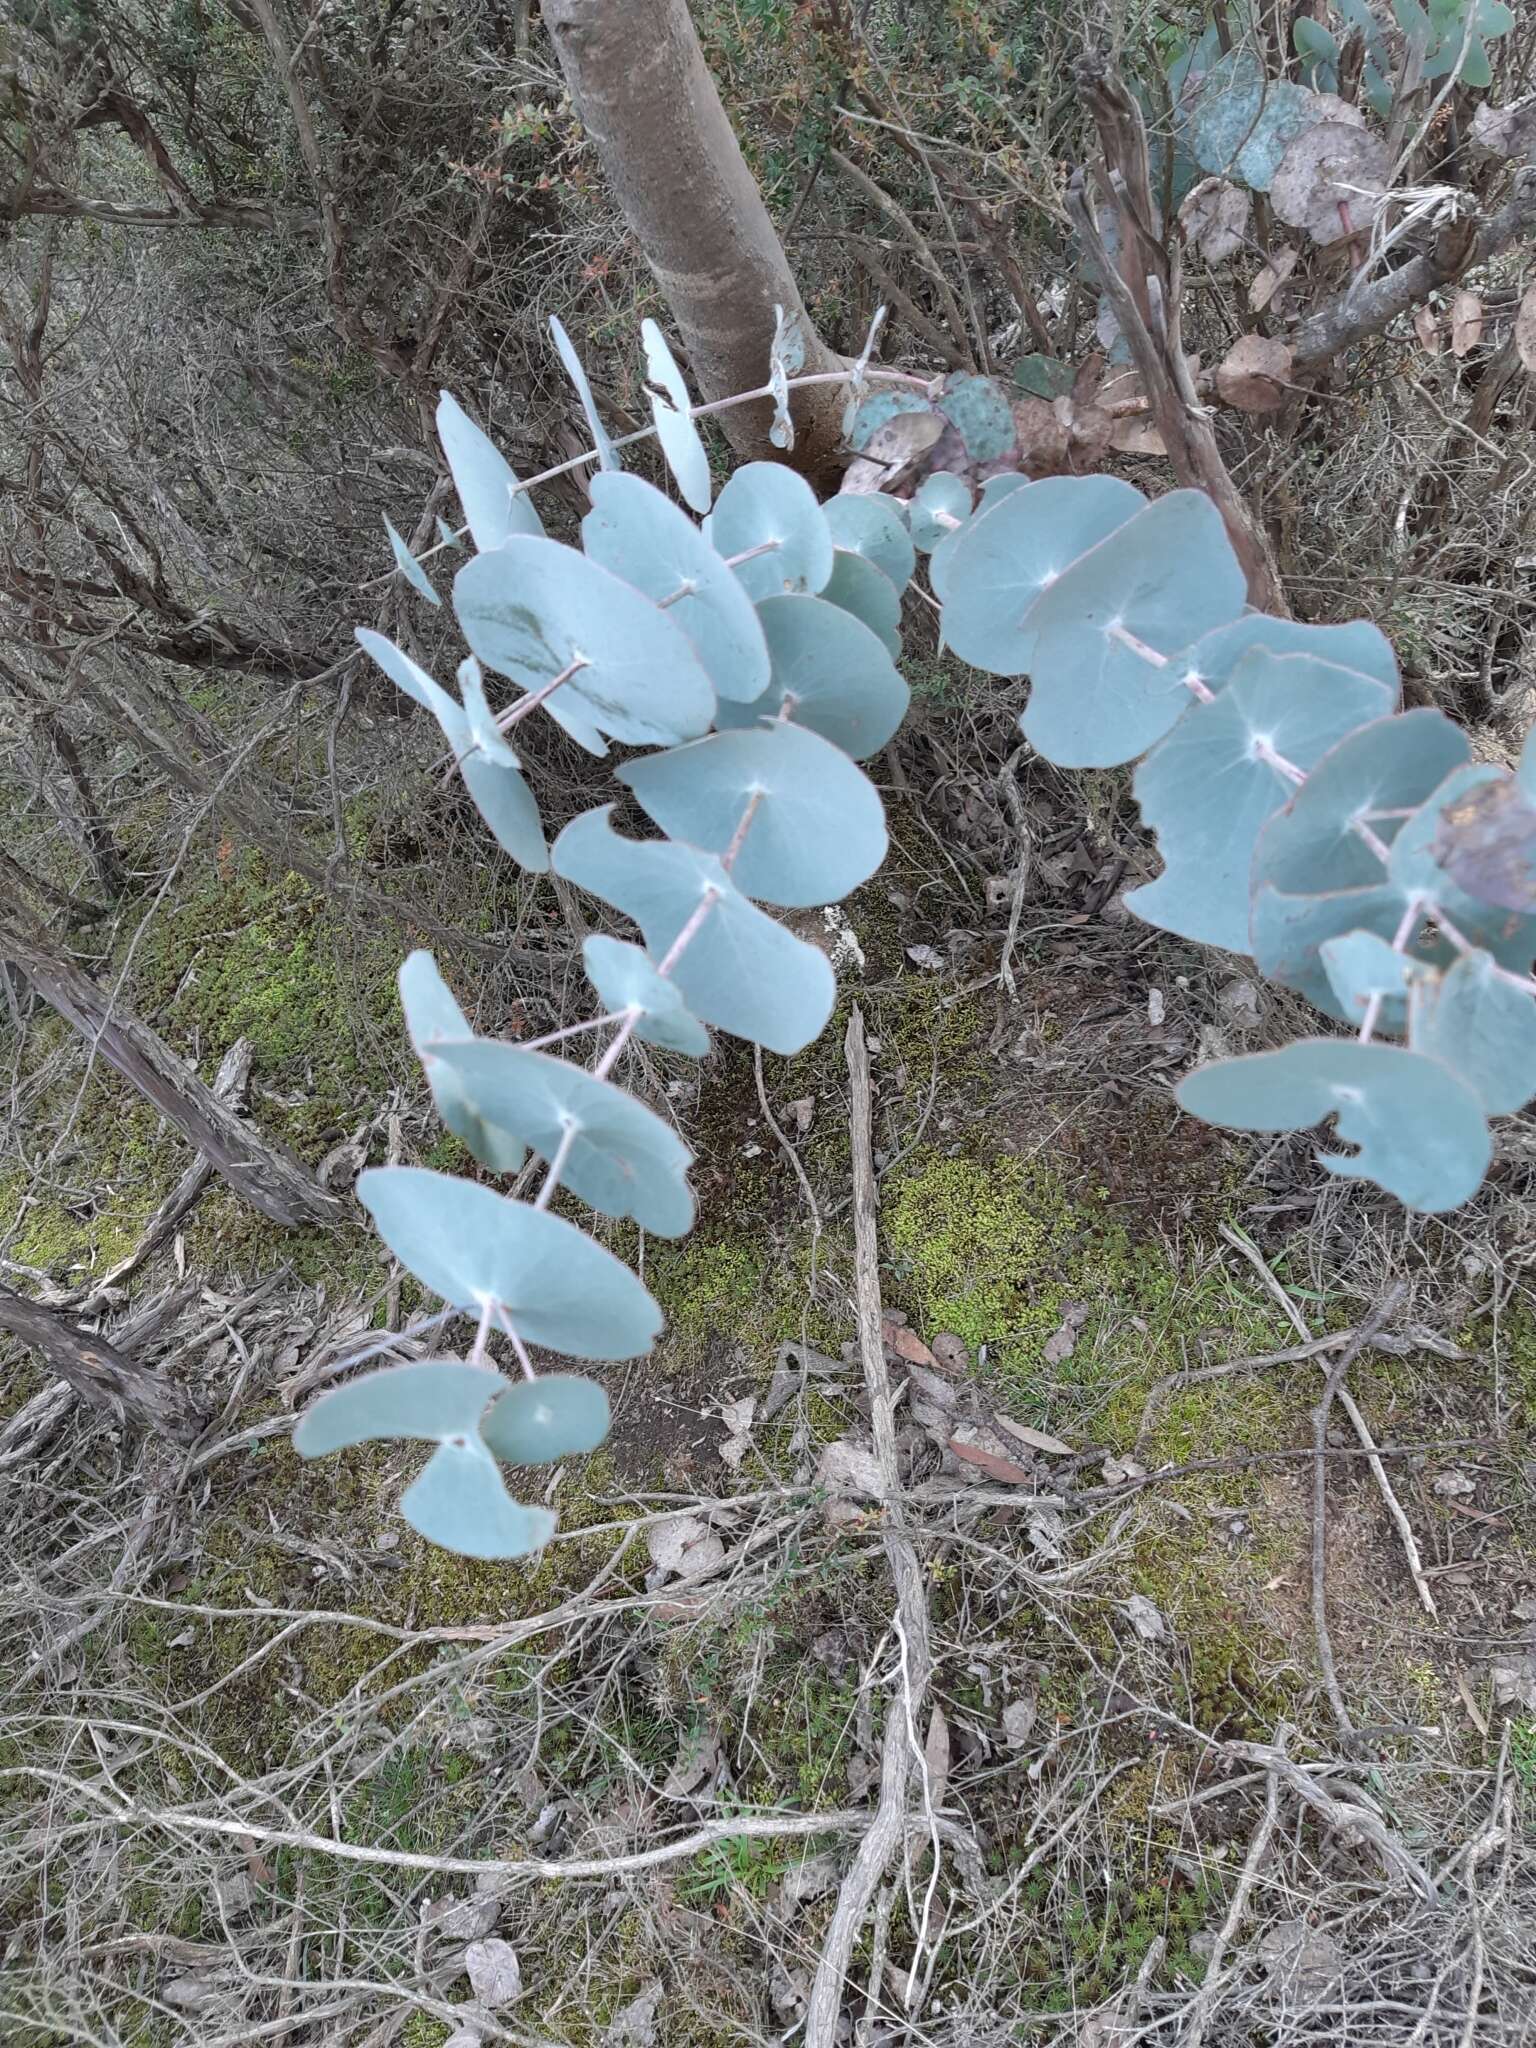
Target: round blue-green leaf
1245,120
1419,1128
623,1159
842,679
565,349
766,506
558,1415
483,729
1207,792
856,585
672,411
741,970
432,1400
461,1502
409,567
817,827
470,1245
510,808
411,677
998,565
432,1016
625,978
1384,766
533,607
1481,1025
494,506
940,504
873,524
638,534
1362,968
1357,645
1095,699
877,411
1288,933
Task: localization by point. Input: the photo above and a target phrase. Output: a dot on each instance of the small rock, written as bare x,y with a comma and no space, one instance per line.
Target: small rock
847,1468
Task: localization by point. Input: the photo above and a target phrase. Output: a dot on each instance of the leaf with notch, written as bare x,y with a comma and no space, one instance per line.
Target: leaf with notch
1420,1130
560,1288
817,828
741,971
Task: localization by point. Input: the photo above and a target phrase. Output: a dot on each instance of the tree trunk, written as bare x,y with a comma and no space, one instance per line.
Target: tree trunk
645,96
263,1173
98,1373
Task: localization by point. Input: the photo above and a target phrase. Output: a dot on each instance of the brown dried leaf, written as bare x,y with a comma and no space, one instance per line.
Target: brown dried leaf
1037,1439
1061,1344
1328,181
1001,1469
1137,437
950,1353
1272,276
1466,323
1487,845
1426,325
936,1756
1525,329
1214,218
1253,375
1506,131
1043,437
906,1343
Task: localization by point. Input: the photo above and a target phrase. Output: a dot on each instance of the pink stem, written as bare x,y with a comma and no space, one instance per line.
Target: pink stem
524,705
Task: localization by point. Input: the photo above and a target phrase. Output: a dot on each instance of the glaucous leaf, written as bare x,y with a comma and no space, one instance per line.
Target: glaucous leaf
672,410
560,1288
509,807
409,567
1288,933
483,729
1244,119
1207,791
1357,645
625,978
843,681
494,507
461,1502
768,506
873,524
432,1016
536,1422
740,971
431,1400
411,677
1419,1128
996,567
533,607
638,534
623,1160
565,349
1481,1025
1363,968
817,827
940,504
856,585
1165,576
1313,844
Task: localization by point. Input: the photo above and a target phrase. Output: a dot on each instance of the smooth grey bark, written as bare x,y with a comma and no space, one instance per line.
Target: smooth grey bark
268,1177
645,96
98,1372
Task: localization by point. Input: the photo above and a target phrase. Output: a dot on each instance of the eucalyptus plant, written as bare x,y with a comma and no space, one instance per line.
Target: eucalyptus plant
1354,849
